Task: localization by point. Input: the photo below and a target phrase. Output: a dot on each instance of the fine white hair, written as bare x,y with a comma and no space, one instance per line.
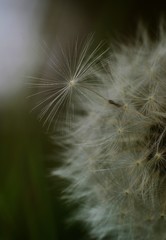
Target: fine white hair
115,159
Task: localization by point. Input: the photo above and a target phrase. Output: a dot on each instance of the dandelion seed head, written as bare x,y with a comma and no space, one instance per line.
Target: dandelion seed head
115,156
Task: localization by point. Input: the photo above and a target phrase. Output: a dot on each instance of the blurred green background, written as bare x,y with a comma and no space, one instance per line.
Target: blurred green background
30,203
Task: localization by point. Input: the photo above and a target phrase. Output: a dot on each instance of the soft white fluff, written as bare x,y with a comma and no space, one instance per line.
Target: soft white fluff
116,155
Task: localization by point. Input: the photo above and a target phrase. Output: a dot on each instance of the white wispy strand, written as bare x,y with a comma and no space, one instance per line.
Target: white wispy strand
116,159
68,80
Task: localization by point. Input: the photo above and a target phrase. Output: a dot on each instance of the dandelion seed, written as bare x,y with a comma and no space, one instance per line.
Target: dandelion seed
68,79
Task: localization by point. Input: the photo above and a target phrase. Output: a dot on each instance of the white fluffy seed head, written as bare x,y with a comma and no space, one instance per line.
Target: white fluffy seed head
116,162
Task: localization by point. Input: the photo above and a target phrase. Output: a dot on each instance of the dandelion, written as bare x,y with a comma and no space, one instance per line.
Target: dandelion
115,161
68,80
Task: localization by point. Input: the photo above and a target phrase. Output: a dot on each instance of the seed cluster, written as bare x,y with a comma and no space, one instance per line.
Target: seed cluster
116,156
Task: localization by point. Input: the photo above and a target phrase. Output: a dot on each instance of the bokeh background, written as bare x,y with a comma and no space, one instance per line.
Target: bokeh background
30,203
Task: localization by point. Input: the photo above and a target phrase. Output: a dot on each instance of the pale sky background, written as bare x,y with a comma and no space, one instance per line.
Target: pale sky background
20,27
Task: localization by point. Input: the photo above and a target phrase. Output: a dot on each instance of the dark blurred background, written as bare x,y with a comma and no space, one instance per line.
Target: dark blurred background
30,203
